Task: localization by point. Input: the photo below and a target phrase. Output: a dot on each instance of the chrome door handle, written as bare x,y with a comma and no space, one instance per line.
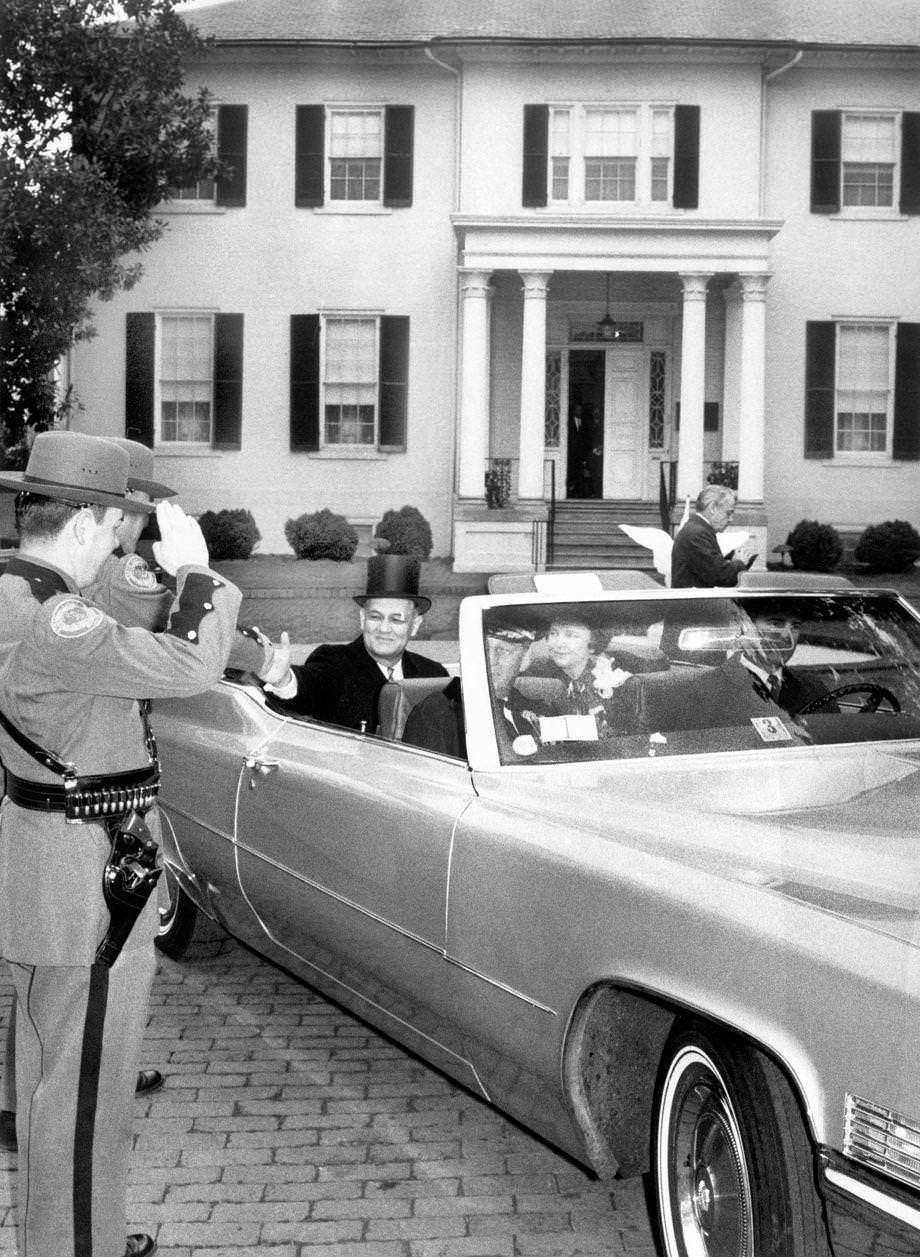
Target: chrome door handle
263,766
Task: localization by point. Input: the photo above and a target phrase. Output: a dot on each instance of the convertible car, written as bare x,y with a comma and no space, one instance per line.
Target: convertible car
661,907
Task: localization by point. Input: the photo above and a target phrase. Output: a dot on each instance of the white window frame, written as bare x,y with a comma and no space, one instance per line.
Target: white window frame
351,316
866,456
872,211
160,442
578,112
331,111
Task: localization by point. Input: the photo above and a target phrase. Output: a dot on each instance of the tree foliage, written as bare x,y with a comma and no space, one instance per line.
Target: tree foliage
95,128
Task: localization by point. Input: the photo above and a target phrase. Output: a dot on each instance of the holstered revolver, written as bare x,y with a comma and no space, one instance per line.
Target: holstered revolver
128,880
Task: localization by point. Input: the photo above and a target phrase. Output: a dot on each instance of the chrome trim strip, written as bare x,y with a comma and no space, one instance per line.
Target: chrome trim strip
904,1213
502,986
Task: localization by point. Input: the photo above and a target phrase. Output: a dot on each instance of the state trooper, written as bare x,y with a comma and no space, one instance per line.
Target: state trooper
129,590
82,775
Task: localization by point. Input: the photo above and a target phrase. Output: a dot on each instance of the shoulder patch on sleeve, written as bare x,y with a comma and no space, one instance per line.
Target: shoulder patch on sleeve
138,574
73,618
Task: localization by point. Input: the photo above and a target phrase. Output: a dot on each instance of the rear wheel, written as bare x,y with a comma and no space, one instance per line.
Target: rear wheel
179,917
732,1160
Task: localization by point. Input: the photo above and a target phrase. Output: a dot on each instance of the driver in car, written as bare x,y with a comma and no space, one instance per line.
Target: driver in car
766,655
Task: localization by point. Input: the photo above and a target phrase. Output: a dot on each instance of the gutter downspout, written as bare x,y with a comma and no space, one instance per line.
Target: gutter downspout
767,78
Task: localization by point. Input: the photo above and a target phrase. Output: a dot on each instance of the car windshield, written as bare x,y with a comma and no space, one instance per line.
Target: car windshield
607,679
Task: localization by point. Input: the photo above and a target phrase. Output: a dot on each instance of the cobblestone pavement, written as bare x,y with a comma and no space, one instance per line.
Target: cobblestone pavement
288,1127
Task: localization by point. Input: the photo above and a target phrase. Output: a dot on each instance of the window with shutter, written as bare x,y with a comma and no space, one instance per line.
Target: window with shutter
591,156
309,154
184,379
354,156
860,393
349,382
399,133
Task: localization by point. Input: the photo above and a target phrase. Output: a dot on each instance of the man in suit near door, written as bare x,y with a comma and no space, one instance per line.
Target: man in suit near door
586,452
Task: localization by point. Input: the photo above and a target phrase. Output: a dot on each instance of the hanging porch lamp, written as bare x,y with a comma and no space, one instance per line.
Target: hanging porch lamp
607,326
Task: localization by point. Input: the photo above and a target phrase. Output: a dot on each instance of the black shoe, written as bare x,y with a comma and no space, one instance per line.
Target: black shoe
7,1130
148,1080
140,1246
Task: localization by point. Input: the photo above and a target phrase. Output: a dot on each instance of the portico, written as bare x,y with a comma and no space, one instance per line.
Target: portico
676,375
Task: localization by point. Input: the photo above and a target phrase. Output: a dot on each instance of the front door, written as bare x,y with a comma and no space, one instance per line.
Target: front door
624,432
585,462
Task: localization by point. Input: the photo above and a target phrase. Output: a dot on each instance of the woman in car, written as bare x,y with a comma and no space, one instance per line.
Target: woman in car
576,656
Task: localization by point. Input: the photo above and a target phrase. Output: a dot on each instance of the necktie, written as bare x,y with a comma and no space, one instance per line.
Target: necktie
390,672
774,684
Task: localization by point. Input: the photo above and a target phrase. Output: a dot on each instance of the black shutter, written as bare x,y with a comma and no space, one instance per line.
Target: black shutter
304,417
825,161
820,366
906,436
710,416
910,163
140,339
399,132
394,380
231,148
686,157
536,156
309,144
228,381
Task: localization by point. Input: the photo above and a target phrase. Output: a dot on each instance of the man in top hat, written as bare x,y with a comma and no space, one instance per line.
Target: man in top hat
72,681
341,684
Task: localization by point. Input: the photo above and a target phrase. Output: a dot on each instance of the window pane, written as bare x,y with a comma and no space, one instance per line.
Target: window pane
868,138
355,134
185,378
354,180
611,132
868,185
610,179
560,179
660,167
350,392
559,138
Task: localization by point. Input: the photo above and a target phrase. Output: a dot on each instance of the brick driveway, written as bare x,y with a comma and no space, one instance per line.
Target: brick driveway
289,1127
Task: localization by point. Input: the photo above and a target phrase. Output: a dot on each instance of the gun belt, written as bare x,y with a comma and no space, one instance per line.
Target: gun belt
88,798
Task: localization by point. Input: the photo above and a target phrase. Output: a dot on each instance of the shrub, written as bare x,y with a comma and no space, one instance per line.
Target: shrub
322,535
889,547
230,534
408,532
814,547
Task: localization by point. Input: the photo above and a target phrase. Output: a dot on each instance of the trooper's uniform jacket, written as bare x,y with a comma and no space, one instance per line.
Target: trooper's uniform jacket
70,679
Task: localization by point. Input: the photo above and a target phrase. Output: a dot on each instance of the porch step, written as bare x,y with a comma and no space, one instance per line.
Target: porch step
586,535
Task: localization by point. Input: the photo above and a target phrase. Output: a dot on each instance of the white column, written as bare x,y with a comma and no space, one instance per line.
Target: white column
692,385
751,434
473,444
533,386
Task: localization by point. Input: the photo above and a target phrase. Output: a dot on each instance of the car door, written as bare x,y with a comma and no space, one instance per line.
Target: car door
343,845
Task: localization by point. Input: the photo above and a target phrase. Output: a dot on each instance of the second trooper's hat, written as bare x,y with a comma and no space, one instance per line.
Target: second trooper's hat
140,469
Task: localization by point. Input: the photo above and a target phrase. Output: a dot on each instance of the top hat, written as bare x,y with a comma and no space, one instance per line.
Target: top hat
393,576
75,468
140,469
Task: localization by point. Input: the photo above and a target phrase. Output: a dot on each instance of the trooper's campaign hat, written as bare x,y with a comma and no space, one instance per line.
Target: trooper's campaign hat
140,469
393,576
76,468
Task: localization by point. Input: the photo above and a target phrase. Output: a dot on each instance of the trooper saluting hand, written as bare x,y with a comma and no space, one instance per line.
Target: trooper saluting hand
74,685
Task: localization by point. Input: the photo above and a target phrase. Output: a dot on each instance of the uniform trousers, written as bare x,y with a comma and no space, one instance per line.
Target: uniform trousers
78,1040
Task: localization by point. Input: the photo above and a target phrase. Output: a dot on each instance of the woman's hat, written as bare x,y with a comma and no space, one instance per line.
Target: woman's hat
74,467
140,469
393,576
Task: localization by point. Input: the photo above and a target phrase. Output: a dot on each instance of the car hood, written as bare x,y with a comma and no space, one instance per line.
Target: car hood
835,828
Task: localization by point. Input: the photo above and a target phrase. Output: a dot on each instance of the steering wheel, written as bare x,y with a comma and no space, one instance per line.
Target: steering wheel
877,694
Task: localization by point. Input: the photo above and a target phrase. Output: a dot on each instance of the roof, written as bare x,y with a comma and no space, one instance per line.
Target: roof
829,23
